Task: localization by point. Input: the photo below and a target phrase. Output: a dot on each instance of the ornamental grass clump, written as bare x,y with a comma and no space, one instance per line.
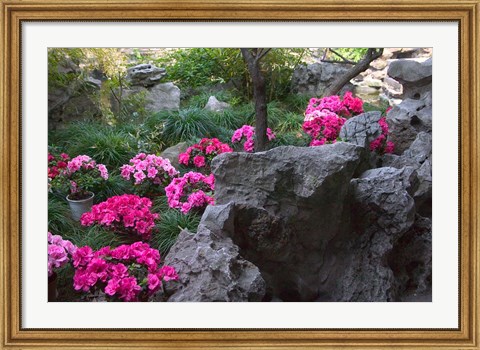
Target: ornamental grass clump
149,173
201,154
247,132
126,214
126,273
80,177
191,192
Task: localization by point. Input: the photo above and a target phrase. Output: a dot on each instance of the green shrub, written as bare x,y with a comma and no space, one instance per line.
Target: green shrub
172,222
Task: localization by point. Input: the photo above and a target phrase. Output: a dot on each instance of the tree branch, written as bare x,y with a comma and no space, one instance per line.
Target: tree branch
362,65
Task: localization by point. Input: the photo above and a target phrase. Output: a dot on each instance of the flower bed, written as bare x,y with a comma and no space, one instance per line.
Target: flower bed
126,273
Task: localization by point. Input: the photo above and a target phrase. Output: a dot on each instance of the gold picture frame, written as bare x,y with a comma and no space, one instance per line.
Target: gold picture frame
466,13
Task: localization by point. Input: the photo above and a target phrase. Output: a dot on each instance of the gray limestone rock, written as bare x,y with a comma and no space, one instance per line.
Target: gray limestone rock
172,153
314,79
215,105
209,265
145,74
406,120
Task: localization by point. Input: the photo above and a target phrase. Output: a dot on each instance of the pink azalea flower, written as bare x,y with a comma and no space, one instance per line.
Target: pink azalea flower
199,161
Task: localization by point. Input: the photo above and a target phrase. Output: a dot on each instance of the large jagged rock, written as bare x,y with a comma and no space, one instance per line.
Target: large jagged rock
209,265
288,205
362,129
415,76
406,120
418,156
294,225
314,79
145,74
383,210
411,262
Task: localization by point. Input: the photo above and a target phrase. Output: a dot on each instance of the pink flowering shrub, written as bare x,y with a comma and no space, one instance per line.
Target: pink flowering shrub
56,164
201,154
323,127
192,191
247,132
348,107
60,252
149,173
81,175
126,273
128,213
381,145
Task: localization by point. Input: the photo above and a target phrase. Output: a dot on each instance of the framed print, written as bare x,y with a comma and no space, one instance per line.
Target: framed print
315,235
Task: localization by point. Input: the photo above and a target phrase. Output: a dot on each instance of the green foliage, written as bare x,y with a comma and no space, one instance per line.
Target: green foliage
354,54
172,222
104,143
63,57
95,237
197,67
59,218
292,138
114,186
186,124
382,106
290,122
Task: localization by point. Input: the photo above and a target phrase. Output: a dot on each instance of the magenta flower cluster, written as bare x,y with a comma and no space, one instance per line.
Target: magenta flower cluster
191,191
127,213
324,126
201,154
380,144
154,169
128,272
59,252
248,132
84,162
347,107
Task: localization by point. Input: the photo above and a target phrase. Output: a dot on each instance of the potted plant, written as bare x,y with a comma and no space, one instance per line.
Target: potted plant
81,175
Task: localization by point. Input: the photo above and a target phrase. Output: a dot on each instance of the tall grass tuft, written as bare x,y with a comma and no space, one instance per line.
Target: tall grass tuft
172,222
106,144
59,219
186,124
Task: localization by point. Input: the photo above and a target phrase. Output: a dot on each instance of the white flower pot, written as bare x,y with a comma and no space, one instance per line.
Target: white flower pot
80,206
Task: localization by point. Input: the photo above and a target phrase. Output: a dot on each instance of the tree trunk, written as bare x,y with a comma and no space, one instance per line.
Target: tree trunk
259,95
371,55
